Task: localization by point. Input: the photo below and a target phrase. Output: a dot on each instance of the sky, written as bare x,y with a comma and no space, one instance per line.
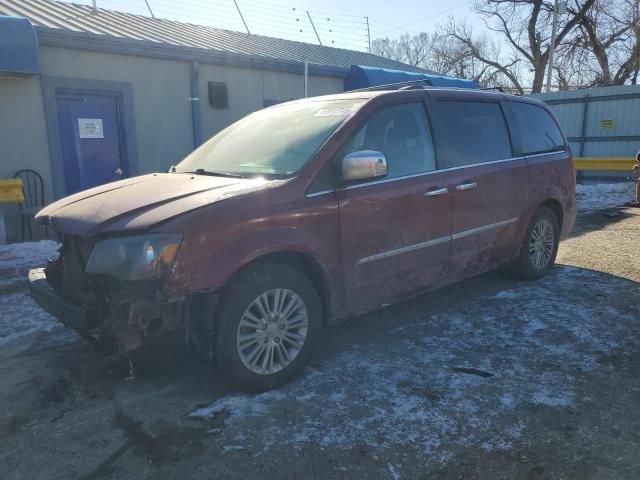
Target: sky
339,23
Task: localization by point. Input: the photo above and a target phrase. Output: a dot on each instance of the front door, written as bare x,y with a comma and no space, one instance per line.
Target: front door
92,139
395,232
488,186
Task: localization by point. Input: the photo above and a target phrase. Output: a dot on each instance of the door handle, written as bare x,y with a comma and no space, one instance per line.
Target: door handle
118,171
436,191
466,186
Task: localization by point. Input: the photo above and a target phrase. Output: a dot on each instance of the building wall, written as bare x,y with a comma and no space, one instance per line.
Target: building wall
23,139
248,89
23,133
161,90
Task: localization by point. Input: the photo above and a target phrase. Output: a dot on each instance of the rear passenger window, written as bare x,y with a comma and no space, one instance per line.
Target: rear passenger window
538,130
402,134
474,132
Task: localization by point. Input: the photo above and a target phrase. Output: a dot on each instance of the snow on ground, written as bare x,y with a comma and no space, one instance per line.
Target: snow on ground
595,196
444,382
19,315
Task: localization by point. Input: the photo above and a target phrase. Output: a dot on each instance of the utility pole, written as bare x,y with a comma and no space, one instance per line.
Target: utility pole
149,7
314,28
241,17
552,46
368,33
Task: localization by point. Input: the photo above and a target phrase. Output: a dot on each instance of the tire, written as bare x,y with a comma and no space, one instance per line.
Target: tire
254,339
541,238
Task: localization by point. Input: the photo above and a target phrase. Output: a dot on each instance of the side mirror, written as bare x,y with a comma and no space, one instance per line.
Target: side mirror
363,165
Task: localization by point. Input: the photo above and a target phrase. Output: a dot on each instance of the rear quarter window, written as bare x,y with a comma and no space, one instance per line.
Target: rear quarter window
538,130
473,132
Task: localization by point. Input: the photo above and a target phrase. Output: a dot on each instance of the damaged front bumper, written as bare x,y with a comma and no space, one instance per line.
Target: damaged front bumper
128,317
72,316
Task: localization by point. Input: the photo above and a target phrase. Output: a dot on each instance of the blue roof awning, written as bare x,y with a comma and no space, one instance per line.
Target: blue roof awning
362,77
18,47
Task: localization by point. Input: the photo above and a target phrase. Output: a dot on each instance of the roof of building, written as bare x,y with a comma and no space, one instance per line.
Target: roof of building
84,27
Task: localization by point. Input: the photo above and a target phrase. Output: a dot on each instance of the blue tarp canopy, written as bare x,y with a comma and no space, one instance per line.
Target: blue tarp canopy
362,77
18,47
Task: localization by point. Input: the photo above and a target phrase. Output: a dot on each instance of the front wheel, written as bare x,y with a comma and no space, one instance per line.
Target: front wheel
270,323
539,246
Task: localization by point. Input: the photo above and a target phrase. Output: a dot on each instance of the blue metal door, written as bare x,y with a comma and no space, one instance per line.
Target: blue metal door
92,139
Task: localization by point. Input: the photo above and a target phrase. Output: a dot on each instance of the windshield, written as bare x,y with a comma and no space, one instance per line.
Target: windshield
277,141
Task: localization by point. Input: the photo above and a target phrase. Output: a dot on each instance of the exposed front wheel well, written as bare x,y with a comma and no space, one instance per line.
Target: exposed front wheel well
299,261
556,208
203,308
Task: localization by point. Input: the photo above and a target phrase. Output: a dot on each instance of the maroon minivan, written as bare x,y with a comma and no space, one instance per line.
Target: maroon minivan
307,212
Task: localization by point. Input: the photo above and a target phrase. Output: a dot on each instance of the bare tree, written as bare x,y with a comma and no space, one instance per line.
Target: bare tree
412,50
440,53
386,47
525,28
610,31
487,53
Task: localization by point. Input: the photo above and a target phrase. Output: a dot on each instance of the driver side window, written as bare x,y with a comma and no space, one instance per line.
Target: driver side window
402,134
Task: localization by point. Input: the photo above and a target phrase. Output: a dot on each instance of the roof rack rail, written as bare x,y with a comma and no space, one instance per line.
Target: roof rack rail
399,86
499,89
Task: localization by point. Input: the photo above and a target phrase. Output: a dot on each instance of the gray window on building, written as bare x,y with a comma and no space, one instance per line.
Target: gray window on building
474,132
538,131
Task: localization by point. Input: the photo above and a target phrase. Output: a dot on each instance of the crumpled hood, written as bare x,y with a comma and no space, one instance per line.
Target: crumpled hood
141,202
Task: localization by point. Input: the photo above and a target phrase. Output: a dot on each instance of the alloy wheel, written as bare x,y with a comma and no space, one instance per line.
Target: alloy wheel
272,331
541,244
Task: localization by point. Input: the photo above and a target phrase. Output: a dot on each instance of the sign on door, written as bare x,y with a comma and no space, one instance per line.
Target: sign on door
90,128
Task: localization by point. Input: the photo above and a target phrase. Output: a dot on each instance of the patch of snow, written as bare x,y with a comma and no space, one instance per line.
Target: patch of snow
507,294
596,196
27,254
551,399
20,315
497,443
228,448
399,390
393,471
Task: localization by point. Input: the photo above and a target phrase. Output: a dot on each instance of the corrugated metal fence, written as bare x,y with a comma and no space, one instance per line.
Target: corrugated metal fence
602,126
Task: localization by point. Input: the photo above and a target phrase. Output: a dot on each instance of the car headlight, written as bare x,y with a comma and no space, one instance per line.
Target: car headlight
144,257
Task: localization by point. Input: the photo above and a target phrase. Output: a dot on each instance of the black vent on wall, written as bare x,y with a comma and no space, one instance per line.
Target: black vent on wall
218,97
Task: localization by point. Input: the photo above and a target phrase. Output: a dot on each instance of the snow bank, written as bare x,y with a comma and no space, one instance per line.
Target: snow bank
598,196
26,254
19,315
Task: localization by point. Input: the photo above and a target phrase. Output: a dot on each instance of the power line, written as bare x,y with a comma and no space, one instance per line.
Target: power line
266,18
454,7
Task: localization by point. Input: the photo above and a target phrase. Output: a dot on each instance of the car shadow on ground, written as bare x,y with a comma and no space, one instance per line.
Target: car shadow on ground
597,220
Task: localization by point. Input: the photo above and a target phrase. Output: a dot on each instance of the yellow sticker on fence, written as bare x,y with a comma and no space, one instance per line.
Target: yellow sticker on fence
606,124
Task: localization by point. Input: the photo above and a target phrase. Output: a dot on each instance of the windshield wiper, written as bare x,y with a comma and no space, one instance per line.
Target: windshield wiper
202,171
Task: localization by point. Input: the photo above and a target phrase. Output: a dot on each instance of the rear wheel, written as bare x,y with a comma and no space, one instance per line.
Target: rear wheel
270,323
539,246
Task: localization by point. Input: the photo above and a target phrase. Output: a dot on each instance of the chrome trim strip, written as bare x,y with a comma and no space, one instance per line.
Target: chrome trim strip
435,241
484,228
546,154
432,172
398,251
513,159
318,194
387,180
